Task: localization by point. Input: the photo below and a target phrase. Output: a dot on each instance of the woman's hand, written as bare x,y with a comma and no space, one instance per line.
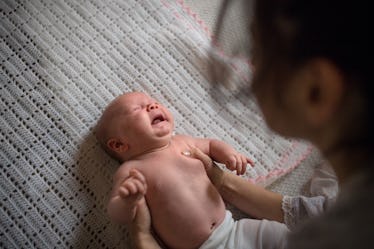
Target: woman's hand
142,221
214,173
141,228
254,200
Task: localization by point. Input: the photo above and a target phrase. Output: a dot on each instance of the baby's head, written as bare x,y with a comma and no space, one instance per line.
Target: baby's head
133,124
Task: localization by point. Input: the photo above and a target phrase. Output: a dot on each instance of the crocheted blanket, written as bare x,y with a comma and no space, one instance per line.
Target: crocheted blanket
62,62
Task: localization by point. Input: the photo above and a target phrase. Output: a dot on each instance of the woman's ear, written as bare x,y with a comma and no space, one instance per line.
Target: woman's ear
117,145
323,91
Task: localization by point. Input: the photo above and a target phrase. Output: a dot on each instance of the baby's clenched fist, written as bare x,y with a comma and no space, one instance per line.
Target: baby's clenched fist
238,162
134,187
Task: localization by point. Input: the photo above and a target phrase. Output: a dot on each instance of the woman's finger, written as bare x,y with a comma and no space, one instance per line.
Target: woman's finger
142,221
198,154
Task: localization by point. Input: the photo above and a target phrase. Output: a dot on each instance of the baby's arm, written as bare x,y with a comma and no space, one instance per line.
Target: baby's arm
129,188
223,153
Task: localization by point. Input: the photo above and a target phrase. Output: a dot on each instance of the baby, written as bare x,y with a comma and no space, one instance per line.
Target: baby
185,206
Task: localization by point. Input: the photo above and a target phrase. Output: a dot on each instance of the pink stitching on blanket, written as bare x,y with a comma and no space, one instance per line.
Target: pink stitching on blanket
205,28
281,171
278,170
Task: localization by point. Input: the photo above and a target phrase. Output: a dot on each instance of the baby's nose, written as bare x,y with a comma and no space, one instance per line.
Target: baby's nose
152,106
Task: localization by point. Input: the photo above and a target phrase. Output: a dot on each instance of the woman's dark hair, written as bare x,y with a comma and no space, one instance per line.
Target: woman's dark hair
337,30
291,32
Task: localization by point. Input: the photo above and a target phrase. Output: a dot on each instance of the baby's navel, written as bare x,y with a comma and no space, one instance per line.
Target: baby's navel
213,226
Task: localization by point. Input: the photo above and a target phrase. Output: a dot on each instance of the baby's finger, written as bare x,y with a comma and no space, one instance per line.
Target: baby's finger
244,165
123,192
141,188
239,165
138,187
131,187
244,168
250,162
231,163
138,175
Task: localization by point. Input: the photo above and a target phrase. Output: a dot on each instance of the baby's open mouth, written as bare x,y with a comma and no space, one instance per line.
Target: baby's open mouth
158,119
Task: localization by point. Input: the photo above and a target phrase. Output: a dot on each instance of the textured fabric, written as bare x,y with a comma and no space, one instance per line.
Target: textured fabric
247,234
233,34
323,191
62,62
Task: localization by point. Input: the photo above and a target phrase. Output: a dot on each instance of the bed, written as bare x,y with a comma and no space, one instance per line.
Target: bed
62,62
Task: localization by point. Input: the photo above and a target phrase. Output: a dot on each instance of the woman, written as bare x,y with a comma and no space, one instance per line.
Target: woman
311,80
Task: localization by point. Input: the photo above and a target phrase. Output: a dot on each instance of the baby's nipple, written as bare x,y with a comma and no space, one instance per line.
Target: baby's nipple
186,153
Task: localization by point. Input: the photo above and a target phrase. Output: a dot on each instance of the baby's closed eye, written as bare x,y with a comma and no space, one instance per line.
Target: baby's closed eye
131,109
136,108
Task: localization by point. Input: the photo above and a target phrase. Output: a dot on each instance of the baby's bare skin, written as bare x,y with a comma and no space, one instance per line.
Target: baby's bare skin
185,206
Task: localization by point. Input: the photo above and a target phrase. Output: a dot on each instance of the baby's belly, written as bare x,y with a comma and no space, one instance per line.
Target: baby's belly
185,217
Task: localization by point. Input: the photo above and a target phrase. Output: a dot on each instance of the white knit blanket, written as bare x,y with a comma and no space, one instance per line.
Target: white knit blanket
62,62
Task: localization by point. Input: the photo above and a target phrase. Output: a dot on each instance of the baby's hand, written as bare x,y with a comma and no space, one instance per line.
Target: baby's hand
134,187
238,162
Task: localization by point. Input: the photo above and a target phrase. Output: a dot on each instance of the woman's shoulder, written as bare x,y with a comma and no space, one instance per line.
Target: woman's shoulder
348,224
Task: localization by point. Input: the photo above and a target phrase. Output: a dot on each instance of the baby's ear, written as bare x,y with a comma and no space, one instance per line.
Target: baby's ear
117,146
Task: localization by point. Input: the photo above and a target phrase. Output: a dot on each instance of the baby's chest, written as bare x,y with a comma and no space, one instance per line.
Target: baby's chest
172,170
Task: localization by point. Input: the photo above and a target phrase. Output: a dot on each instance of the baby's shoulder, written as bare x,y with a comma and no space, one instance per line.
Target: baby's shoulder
124,169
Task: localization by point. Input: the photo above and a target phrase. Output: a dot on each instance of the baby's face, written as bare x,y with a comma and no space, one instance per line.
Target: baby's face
141,119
